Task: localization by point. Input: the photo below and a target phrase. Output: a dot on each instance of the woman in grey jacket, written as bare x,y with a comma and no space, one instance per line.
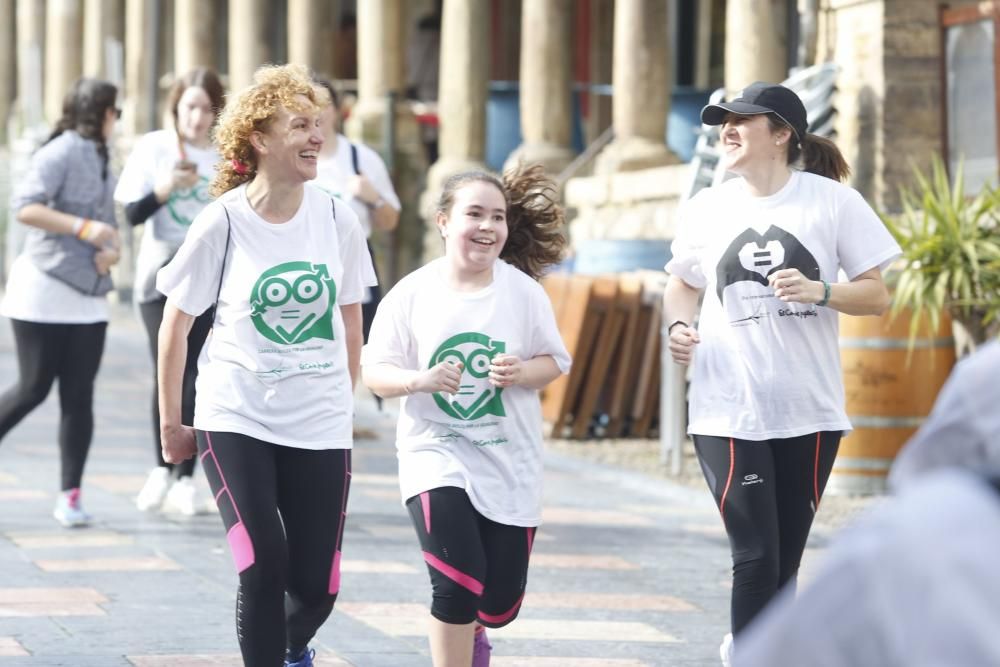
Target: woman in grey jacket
56,291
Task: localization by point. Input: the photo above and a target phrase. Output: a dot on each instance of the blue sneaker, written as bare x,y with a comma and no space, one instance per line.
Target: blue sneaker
304,660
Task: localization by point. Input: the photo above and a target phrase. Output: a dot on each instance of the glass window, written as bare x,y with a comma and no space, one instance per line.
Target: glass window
971,96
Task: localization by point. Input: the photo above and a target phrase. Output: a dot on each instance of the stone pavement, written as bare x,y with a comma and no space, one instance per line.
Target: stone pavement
628,570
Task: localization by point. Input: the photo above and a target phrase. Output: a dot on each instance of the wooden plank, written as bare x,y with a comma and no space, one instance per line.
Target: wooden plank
626,361
603,305
578,327
651,408
650,364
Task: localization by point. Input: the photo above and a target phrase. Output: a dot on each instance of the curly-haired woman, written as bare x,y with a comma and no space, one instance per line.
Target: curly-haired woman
468,341
286,268
55,296
165,184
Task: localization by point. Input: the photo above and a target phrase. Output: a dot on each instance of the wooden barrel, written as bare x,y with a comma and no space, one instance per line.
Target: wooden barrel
889,391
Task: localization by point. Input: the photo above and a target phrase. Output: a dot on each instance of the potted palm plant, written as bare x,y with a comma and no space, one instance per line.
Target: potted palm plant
951,256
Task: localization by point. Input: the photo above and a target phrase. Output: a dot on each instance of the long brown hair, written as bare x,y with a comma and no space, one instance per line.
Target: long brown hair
84,108
819,155
199,77
536,237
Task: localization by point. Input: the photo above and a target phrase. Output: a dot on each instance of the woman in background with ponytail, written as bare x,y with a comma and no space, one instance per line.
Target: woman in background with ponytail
165,182
55,295
468,341
767,400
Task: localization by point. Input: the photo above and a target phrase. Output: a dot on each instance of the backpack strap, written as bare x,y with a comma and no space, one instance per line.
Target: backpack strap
333,205
354,159
225,253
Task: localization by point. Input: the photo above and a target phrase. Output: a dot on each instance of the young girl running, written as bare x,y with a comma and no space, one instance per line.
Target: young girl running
468,341
286,267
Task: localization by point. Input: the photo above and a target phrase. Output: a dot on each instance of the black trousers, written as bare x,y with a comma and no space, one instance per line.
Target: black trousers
284,510
767,492
72,354
152,316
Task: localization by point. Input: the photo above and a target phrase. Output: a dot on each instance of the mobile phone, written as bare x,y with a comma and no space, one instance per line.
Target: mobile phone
185,164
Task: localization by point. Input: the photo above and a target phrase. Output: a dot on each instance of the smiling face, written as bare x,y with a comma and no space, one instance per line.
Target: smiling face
475,228
290,146
194,115
748,141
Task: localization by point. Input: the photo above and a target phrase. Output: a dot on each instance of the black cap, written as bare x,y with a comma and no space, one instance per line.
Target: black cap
758,98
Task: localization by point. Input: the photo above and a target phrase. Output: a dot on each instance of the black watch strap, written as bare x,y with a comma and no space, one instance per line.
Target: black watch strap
675,323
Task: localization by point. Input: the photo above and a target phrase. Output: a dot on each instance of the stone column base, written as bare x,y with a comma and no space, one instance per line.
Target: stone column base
633,154
552,157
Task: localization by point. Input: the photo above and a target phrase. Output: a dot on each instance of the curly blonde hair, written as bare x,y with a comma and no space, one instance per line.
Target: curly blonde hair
275,87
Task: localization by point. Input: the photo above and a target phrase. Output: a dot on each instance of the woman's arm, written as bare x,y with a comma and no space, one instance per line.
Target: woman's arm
680,305
177,440
97,233
384,217
354,337
865,295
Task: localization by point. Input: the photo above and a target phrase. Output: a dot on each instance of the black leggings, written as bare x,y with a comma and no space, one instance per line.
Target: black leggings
478,567
284,510
152,316
72,353
767,492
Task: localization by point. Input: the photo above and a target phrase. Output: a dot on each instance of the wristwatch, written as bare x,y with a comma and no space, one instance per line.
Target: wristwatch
675,323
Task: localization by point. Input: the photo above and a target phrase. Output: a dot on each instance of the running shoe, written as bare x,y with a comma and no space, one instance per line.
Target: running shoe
154,490
726,650
182,497
304,660
69,511
481,649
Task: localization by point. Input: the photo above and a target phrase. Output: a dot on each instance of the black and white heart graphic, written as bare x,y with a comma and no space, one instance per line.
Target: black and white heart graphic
754,256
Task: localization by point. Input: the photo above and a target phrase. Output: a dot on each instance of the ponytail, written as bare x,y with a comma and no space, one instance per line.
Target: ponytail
819,155
536,236
822,157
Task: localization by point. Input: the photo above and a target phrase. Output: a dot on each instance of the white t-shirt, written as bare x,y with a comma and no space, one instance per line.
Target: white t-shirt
911,584
334,172
34,296
765,368
155,154
485,440
275,366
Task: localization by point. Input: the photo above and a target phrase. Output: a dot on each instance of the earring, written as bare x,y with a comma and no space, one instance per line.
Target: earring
777,143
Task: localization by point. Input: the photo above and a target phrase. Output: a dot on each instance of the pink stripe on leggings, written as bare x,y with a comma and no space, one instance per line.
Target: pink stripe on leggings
238,537
460,578
334,587
504,617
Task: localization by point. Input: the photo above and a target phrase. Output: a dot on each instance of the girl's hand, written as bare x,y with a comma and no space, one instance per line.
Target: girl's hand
792,287
178,443
100,234
106,258
682,343
444,377
506,370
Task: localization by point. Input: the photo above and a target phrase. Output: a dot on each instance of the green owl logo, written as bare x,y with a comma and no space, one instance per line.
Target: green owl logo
293,302
184,205
476,397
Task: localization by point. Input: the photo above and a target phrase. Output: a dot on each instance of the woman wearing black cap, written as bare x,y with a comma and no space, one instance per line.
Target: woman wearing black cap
767,400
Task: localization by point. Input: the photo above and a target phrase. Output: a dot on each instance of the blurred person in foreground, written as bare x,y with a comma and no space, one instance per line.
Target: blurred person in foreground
913,581
56,296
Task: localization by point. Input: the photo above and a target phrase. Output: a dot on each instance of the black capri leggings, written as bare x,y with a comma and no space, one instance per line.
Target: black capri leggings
152,316
72,353
768,492
284,510
478,567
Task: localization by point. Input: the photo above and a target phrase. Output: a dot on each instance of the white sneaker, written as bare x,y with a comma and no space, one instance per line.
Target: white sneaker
182,497
69,511
726,650
154,490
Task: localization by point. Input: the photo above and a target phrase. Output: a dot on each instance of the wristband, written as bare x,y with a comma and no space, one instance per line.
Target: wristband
79,226
826,294
675,323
